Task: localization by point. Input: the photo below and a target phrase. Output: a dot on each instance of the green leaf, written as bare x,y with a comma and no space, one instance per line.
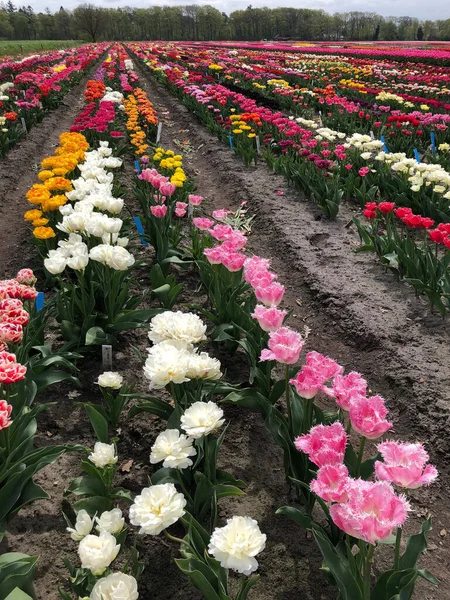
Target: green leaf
98,422
200,575
17,594
415,545
296,515
339,567
95,335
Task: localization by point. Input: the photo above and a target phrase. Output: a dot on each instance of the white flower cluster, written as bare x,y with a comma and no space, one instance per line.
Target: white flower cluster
92,194
112,96
173,357
128,63
173,448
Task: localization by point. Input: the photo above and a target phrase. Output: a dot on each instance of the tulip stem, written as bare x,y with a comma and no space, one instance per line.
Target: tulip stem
367,571
362,445
288,400
398,540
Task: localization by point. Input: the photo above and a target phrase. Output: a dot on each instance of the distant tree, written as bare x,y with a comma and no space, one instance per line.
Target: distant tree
6,30
376,35
420,33
10,8
90,20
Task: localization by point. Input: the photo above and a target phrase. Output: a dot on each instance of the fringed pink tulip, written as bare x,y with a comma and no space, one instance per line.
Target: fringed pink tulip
331,483
324,444
372,512
269,319
404,465
285,346
346,387
368,416
270,294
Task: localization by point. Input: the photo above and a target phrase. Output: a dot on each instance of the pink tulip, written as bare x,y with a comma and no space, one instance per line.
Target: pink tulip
148,174
233,261
285,346
269,319
203,223
325,444
313,375
221,232
5,414
167,188
345,387
235,241
159,211
331,483
368,416
195,200
214,255
372,511
180,209
221,214
404,465
256,263
271,294
363,171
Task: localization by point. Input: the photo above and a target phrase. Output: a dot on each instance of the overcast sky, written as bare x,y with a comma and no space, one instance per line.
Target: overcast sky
433,9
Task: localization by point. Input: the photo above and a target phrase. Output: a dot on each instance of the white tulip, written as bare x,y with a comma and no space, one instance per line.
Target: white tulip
201,418
110,379
55,264
203,366
117,586
111,521
236,545
103,455
174,449
83,526
169,325
97,552
156,508
166,363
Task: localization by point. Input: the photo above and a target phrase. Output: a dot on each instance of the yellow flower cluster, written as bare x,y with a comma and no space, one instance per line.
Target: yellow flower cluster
67,155
387,96
258,85
214,67
59,68
138,105
278,83
170,161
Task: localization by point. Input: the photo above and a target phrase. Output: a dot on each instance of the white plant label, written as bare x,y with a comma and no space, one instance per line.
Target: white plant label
107,357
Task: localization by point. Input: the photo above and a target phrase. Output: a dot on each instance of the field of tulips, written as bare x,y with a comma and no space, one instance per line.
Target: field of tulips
186,409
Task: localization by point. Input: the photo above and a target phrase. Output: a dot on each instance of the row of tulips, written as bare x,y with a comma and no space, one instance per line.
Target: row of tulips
31,88
327,165
354,166
189,485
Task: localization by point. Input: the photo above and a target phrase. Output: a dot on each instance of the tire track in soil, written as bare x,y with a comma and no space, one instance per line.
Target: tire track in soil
18,172
356,312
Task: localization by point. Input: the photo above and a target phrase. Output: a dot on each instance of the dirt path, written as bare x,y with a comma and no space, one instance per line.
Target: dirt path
357,313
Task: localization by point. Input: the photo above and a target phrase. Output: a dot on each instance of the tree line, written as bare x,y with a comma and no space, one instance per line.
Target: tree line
204,23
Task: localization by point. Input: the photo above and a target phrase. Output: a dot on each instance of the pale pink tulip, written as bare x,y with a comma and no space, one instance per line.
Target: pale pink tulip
236,241
159,211
331,483
368,416
313,375
372,512
270,294
346,387
221,214
214,255
180,209
324,444
260,278
405,465
221,232
269,319
233,261
285,346
203,223
167,188
195,200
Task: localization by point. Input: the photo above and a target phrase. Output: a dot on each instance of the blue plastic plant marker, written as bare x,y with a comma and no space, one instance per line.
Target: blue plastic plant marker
416,155
384,145
230,137
140,230
433,141
137,166
40,301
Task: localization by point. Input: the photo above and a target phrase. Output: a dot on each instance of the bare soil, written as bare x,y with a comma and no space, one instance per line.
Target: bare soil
357,313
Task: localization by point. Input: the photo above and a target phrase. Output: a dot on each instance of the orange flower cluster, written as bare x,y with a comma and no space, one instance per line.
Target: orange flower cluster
67,155
94,90
138,105
247,117
11,116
